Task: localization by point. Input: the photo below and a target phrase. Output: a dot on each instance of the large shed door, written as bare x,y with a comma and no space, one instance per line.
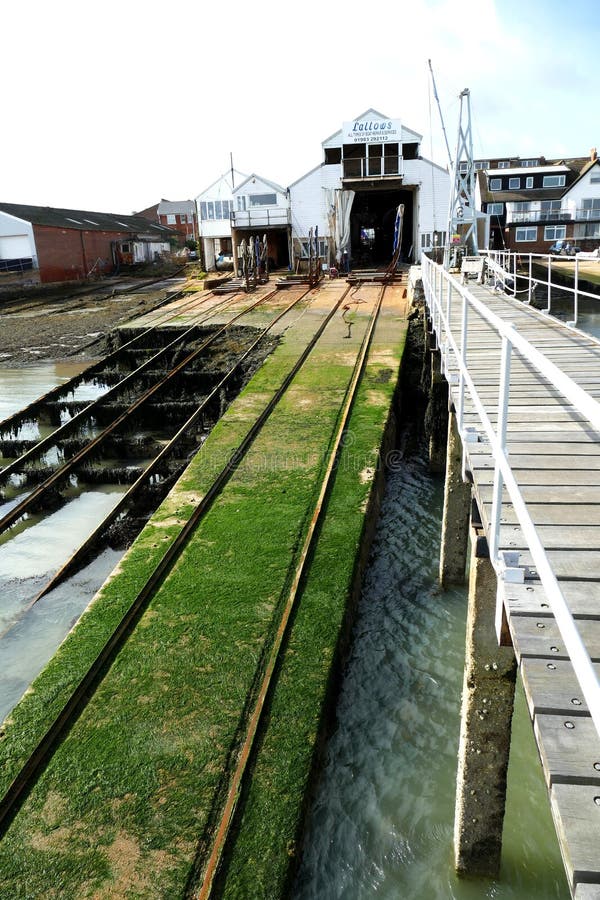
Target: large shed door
15,246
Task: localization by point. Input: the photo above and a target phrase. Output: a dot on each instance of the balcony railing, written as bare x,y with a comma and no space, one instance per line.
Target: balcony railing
260,218
587,215
373,167
554,215
536,215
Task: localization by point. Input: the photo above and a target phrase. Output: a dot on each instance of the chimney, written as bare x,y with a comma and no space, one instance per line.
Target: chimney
593,154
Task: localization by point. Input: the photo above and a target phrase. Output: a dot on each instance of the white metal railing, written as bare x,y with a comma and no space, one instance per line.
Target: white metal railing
260,217
513,273
442,290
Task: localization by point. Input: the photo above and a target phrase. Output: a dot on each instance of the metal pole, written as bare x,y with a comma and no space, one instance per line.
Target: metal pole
501,427
549,285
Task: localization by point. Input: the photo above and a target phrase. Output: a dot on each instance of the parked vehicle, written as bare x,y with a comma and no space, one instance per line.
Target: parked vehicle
224,261
563,248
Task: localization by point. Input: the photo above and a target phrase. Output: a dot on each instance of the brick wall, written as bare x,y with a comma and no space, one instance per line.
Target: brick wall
68,254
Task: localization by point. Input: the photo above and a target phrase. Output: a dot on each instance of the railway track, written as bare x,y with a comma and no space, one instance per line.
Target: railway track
150,481
78,698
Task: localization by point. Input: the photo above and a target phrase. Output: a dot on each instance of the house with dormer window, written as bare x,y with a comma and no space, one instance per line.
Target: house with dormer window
530,207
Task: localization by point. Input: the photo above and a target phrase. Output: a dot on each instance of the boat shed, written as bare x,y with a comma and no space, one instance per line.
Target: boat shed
71,245
370,166
262,208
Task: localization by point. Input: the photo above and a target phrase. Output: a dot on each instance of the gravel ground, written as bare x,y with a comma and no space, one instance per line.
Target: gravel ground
71,327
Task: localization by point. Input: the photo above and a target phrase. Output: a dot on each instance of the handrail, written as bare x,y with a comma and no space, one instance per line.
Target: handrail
439,287
505,266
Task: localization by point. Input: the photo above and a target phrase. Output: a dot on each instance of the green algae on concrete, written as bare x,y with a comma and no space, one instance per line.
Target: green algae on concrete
141,773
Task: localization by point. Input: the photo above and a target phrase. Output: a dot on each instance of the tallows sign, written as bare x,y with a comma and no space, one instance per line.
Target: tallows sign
371,131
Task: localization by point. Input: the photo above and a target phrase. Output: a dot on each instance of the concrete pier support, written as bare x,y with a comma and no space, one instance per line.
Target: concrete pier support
487,707
457,509
436,415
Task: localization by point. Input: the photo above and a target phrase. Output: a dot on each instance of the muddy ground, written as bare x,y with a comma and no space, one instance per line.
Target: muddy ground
71,326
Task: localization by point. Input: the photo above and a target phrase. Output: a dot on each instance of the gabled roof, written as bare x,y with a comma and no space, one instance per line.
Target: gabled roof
225,178
276,187
366,114
589,165
84,220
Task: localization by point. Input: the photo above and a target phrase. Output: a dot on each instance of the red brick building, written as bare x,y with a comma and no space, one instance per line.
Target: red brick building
180,215
72,245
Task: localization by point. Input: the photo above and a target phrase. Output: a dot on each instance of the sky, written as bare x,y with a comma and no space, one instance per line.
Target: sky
112,106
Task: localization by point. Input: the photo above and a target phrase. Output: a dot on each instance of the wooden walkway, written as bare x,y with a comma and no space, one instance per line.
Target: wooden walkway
555,456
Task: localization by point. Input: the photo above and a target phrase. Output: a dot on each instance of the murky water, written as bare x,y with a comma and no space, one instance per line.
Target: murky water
20,387
35,548
382,823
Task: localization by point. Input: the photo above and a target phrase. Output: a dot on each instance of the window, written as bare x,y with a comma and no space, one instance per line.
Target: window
495,209
589,230
482,164
504,164
514,184
521,206
591,203
529,181
463,167
550,209
241,203
263,199
595,179
323,249
529,163
333,155
203,214
171,219
526,234
210,206
555,232
495,184
554,181
218,210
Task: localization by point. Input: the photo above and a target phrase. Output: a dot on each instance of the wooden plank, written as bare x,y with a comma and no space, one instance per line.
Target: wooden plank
539,636
587,892
553,537
583,598
569,750
538,462
546,513
577,819
551,689
550,477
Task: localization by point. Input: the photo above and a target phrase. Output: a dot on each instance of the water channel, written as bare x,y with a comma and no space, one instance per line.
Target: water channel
382,822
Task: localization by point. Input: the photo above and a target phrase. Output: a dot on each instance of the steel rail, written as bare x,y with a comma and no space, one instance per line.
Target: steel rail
158,460
74,422
79,697
21,508
235,783
503,475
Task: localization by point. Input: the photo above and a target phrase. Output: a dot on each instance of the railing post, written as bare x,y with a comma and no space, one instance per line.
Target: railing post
463,358
501,429
515,275
549,284
530,278
576,294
